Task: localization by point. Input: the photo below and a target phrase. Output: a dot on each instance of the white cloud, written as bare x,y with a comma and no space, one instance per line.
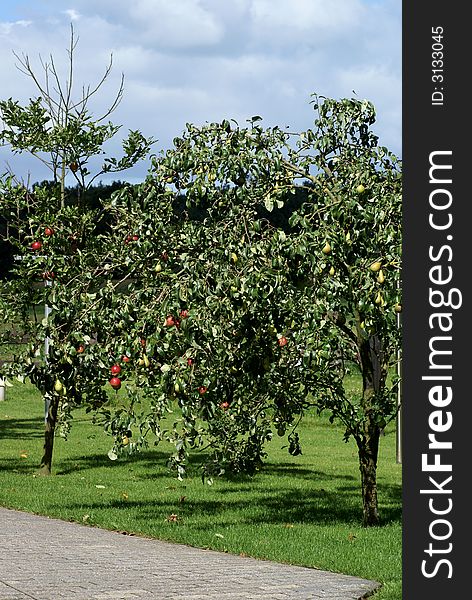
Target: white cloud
205,60
7,27
305,20
72,14
182,24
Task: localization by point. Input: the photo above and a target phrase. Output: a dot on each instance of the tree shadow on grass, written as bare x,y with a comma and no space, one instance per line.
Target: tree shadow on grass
17,465
322,498
24,429
325,497
247,501
153,466
151,463
307,507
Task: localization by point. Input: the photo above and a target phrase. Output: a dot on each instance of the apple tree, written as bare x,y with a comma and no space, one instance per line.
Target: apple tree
251,319
210,297
61,260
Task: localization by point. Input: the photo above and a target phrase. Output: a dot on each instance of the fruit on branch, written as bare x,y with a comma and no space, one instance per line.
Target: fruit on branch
375,266
115,383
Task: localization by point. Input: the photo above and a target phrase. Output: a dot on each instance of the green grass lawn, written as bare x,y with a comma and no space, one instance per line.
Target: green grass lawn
303,510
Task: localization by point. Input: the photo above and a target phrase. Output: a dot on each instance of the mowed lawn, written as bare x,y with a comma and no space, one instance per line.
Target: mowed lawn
303,510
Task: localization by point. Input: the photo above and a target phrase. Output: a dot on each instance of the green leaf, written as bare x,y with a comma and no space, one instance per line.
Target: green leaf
269,203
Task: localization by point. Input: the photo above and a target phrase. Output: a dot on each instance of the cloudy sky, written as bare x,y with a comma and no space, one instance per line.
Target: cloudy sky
205,60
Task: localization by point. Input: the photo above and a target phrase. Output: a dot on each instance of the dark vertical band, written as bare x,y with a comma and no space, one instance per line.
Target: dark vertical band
437,332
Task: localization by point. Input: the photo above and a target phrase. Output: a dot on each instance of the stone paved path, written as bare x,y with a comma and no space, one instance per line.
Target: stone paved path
48,559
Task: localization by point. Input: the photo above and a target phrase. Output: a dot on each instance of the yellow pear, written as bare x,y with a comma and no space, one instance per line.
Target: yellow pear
327,248
376,266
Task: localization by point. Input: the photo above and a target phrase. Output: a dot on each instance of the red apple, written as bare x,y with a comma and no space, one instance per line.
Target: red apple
224,405
202,390
282,341
36,245
142,341
80,349
169,321
115,370
165,256
184,314
48,231
189,362
135,238
115,383
125,358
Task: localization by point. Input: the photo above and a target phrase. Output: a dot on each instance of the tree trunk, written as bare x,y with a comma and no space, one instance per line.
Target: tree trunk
374,374
368,453
50,427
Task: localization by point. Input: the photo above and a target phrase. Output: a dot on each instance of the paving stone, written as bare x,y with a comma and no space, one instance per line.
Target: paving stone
49,559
